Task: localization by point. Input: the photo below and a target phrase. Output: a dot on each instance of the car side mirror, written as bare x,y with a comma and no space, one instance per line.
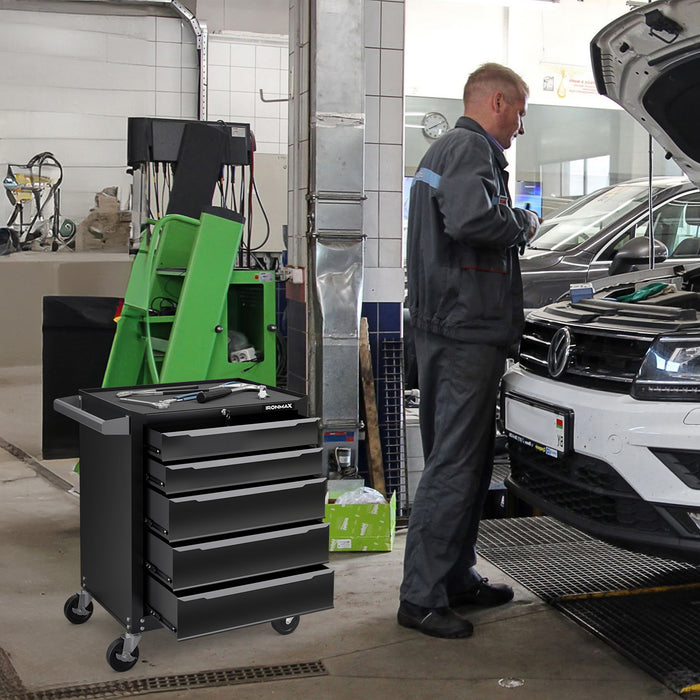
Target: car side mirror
636,252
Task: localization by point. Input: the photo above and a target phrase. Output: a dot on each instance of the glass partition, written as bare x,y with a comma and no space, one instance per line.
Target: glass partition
565,153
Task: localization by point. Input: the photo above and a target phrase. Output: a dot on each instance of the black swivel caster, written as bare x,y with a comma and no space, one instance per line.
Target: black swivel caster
118,659
75,612
286,625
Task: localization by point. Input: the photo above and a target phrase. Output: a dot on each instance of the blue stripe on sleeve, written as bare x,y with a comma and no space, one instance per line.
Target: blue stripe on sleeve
428,176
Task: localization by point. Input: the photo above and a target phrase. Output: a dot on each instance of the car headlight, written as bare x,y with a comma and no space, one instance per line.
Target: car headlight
670,371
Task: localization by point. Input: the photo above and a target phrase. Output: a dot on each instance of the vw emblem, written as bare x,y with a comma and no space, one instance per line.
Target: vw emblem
559,352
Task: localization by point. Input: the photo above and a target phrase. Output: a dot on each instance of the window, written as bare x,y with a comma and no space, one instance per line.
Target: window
588,216
676,225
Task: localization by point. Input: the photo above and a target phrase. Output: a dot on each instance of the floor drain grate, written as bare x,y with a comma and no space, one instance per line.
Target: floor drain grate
645,607
183,681
10,683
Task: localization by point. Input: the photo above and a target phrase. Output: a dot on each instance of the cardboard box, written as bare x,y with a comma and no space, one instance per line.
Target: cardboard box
362,527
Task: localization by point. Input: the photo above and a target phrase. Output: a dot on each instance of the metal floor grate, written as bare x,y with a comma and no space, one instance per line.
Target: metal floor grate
554,560
392,423
657,631
183,681
598,585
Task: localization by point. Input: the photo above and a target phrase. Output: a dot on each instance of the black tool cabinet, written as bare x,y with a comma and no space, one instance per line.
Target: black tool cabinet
200,517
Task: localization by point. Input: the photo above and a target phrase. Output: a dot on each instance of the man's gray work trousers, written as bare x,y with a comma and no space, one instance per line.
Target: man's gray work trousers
458,391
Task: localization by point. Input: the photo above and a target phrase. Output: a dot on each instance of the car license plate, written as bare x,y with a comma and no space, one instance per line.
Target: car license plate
546,428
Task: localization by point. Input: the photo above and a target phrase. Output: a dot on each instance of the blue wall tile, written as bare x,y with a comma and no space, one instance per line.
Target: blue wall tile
390,316
370,311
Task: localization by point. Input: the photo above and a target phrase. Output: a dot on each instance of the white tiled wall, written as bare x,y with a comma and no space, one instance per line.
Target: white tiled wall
240,65
69,82
384,30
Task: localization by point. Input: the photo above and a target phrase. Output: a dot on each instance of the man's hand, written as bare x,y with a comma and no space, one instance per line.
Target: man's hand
534,227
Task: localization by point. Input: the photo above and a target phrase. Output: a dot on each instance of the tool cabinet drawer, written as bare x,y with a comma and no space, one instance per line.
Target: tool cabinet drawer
201,443
223,512
237,606
210,563
225,473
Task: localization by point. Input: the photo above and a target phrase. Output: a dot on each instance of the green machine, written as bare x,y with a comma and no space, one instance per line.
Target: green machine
188,314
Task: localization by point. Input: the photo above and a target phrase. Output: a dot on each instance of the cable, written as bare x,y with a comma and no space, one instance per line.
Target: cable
166,186
155,189
169,174
163,306
38,162
267,221
241,197
241,200
251,186
281,369
234,206
222,192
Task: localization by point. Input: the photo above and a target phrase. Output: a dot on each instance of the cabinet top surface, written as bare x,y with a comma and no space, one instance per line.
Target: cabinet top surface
181,397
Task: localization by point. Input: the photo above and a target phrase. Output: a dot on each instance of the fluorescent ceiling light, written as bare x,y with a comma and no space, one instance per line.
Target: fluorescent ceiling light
510,3
530,3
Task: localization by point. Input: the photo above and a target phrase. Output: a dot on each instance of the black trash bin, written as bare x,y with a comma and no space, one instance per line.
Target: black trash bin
77,337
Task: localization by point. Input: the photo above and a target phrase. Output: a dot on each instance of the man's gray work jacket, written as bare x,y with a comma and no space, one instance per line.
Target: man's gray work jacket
463,237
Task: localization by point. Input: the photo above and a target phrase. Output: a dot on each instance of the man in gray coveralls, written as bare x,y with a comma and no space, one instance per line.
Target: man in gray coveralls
465,300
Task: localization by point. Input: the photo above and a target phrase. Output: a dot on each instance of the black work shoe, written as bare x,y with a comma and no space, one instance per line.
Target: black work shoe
437,622
485,594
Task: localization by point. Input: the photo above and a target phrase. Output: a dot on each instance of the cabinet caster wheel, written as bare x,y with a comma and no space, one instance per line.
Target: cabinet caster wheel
286,625
71,608
117,659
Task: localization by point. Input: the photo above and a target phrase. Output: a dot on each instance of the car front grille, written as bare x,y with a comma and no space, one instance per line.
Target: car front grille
685,464
607,339
584,486
597,360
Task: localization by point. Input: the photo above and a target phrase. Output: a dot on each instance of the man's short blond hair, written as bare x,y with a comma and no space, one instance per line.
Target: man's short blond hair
493,76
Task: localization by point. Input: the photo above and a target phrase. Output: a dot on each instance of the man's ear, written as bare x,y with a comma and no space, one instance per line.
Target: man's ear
498,101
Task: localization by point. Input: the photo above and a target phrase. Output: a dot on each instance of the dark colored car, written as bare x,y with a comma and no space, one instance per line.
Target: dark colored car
606,233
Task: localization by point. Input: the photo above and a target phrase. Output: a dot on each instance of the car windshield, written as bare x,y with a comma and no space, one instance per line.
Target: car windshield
589,215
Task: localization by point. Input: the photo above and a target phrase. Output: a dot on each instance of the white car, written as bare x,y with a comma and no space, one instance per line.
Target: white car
602,410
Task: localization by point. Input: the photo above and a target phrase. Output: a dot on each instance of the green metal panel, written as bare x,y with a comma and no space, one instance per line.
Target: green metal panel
198,320
126,368
186,272
131,359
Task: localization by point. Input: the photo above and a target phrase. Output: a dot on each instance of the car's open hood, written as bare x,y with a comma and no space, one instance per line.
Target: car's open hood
648,61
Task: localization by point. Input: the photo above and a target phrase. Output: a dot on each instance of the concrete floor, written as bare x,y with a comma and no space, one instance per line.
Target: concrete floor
364,651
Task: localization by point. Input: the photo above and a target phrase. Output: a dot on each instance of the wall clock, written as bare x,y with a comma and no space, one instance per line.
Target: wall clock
434,125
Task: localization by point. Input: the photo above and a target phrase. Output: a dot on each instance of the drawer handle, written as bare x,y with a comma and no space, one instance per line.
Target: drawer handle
254,427
237,493
247,459
247,539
